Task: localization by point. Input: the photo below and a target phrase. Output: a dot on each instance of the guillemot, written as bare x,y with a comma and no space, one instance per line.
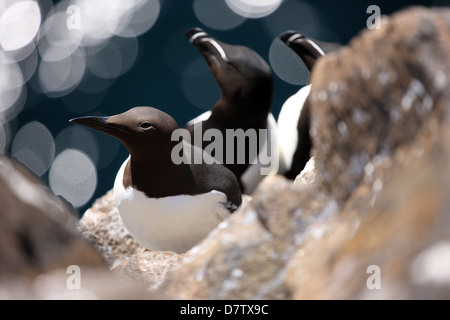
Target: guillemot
165,206
294,117
246,84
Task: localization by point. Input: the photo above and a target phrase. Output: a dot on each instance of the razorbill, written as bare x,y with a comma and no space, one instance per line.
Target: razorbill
246,84
294,117
165,206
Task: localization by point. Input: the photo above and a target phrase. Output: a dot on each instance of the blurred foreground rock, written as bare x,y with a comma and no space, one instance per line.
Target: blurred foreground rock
381,92
42,254
37,230
95,284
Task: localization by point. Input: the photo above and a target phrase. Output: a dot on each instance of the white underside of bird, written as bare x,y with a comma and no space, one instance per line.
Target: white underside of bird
174,223
287,124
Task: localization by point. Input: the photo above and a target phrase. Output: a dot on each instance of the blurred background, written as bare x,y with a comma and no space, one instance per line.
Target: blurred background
71,58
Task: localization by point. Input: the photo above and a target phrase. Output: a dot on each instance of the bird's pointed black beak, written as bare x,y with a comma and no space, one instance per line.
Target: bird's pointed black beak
305,48
99,124
289,37
212,49
195,35
93,122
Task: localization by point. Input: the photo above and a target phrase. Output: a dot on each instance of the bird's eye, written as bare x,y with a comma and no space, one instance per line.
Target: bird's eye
145,125
230,65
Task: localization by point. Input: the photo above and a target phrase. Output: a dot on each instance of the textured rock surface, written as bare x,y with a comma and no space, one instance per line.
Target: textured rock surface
95,284
308,176
246,256
405,235
149,267
103,226
377,94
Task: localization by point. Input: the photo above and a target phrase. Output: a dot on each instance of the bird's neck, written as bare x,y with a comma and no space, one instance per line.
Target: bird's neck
158,177
242,112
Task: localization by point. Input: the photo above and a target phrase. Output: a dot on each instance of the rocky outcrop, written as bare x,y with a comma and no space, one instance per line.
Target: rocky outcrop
148,267
37,230
38,239
247,255
391,244
42,254
378,94
103,226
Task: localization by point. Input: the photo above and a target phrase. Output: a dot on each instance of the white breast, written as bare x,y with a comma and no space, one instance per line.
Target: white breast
287,124
252,175
173,223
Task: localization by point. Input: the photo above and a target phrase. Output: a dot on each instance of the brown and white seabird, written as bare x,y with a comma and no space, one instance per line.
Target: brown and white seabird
165,206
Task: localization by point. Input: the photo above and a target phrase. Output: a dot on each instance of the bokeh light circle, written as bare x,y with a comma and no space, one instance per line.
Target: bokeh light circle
78,138
29,65
103,19
19,25
11,85
286,64
293,15
4,135
33,145
254,8
73,176
216,15
56,41
58,78
53,73
144,15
